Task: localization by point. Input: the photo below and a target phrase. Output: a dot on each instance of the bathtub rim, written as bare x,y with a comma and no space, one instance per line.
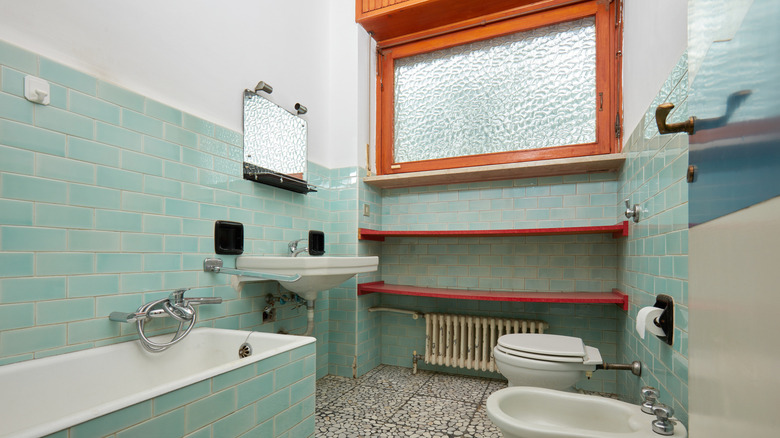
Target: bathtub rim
70,420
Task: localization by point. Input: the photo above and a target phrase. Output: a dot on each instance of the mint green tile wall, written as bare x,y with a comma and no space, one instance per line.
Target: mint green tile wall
585,263
108,200
369,324
270,398
342,301
654,259
560,201
549,263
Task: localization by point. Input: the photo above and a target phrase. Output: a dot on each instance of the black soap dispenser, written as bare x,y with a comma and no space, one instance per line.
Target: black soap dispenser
316,243
228,237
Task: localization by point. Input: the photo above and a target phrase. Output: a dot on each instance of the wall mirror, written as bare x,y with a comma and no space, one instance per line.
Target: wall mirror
274,145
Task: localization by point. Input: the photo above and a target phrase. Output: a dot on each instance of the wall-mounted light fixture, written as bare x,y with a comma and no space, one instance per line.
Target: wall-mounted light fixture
301,109
264,87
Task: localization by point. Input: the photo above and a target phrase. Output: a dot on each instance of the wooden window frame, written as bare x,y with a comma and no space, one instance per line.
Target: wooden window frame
608,88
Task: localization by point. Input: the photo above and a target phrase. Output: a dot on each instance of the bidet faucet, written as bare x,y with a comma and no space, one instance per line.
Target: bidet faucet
649,397
293,247
663,424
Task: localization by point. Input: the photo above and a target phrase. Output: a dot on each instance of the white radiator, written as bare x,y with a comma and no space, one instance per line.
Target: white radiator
465,341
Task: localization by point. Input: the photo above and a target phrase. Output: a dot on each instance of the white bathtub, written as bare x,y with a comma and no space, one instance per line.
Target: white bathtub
42,396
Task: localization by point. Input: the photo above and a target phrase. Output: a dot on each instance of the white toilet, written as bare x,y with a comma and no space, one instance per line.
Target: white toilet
546,361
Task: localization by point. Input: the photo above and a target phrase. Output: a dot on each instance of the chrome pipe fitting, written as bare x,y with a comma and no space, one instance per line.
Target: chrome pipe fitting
635,367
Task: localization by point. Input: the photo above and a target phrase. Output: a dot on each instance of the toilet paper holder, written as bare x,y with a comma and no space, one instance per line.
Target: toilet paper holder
666,320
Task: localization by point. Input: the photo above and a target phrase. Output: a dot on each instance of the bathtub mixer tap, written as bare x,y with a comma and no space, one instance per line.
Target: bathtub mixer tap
183,307
176,306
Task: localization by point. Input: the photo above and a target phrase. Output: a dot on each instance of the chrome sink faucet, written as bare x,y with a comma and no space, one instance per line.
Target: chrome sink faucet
293,247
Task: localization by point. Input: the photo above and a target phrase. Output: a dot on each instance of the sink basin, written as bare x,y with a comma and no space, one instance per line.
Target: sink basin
529,412
317,273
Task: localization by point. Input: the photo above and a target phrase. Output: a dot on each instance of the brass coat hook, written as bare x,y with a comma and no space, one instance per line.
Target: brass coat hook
732,103
665,128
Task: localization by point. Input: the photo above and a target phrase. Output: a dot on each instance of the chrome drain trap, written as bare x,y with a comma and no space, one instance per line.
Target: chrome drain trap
245,350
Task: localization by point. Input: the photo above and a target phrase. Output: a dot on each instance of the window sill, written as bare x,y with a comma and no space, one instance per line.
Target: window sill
530,169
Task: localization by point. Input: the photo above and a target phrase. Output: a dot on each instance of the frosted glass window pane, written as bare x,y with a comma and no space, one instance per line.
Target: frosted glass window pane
527,90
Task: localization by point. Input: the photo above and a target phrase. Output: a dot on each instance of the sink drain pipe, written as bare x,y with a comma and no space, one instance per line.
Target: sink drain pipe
309,318
635,367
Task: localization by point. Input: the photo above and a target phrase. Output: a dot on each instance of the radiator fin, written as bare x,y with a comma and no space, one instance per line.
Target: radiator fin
465,341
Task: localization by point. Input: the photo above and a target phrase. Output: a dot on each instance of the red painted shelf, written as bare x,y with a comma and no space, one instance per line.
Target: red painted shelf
618,230
614,297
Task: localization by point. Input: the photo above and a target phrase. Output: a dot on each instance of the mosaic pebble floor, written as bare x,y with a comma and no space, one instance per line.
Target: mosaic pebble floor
390,401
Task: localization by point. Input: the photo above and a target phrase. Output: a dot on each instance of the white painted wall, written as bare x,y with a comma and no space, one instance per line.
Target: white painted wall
655,35
199,55
348,92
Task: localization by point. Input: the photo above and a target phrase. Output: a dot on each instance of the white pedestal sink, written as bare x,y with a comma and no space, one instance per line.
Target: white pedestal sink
317,273
530,412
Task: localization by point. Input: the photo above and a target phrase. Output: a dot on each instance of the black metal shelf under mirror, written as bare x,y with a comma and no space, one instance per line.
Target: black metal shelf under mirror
271,178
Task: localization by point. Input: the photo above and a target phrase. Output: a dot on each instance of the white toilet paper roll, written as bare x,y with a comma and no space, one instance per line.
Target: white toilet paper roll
645,320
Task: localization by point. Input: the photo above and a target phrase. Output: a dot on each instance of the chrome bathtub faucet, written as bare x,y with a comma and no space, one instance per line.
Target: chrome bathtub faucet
176,306
182,309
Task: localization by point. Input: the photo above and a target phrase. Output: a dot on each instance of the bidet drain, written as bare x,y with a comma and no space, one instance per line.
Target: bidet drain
245,350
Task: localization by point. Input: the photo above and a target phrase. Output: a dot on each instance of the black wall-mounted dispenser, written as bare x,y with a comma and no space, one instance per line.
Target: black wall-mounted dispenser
316,243
666,320
228,237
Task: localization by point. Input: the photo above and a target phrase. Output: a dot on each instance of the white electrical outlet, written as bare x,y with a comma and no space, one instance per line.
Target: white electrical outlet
366,210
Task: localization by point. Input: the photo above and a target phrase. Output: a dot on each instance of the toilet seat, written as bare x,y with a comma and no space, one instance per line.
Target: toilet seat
548,348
